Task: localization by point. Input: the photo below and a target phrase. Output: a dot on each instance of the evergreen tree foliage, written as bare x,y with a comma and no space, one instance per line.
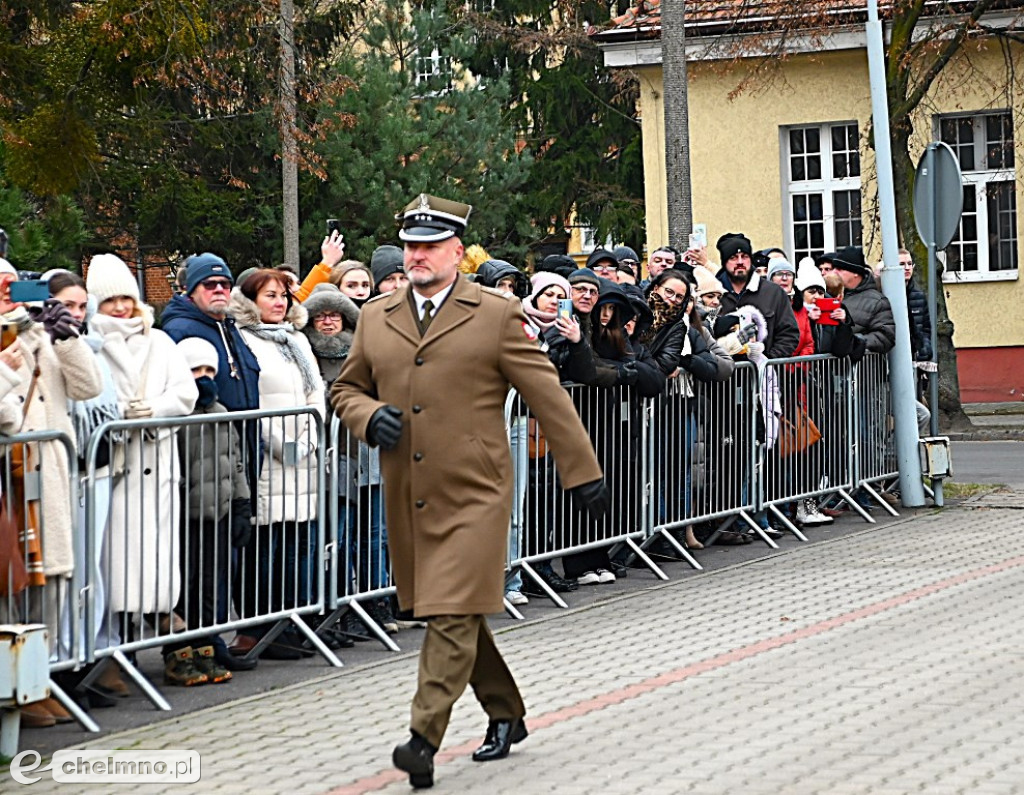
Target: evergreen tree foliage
577,117
447,133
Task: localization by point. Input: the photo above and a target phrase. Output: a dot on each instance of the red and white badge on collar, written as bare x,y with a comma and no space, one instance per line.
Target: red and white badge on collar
530,331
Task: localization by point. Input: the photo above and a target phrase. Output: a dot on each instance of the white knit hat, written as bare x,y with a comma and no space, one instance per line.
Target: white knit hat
808,275
198,352
6,267
108,277
706,281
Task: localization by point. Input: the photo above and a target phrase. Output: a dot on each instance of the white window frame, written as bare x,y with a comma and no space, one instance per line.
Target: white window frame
588,240
827,185
429,67
979,178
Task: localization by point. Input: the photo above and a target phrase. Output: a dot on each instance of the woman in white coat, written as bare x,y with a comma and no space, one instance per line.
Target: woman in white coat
152,381
39,371
280,554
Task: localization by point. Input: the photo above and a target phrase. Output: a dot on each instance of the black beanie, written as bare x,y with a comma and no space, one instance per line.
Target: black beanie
851,259
732,243
562,264
385,261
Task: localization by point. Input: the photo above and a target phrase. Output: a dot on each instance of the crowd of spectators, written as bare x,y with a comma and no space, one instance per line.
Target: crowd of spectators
197,526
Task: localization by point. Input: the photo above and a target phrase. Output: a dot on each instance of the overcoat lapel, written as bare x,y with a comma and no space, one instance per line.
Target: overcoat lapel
399,315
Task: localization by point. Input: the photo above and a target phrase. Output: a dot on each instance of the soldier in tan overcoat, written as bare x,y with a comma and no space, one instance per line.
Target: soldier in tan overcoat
426,379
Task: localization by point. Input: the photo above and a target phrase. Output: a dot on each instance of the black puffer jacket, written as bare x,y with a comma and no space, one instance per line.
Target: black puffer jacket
700,361
920,323
871,315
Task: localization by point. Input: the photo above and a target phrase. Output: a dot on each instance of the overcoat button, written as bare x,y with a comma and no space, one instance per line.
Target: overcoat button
417,409
420,503
419,360
418,457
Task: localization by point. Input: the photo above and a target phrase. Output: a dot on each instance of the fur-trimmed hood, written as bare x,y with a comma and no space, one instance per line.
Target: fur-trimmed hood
738,318
247,314
327,297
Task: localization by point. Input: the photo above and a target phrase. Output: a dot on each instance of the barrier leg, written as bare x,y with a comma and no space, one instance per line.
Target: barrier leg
10,728
856,506
683,551
878,498
527,569
314,639
785,520
373,626
511,610
757,529
76,711
140,681
638,551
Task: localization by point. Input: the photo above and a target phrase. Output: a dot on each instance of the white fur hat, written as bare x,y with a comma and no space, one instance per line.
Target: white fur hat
198,352
108,277
6,267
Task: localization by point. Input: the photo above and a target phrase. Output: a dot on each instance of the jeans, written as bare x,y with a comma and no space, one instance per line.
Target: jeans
362,539
520,478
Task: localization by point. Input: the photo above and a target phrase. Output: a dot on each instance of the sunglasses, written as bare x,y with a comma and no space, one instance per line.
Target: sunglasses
216,284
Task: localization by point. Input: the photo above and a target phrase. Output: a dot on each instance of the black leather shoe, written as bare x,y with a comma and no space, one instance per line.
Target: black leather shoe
501,736
416,758
233,663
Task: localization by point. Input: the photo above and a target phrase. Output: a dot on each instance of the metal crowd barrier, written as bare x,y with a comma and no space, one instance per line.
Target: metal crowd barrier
357,533
694,454
551,525
807,453
702,440
875,434
28,462
167,577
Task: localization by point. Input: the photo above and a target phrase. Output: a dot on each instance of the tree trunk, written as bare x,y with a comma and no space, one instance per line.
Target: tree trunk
677,123
952,416
289,147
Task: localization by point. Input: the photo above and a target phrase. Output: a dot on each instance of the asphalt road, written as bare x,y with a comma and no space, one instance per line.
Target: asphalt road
989,462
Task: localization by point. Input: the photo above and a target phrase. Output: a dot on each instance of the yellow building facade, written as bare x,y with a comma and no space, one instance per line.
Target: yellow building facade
754,170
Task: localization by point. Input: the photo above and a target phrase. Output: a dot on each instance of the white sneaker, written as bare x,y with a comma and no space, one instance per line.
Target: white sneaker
589,578
811,514
516,598
801,512
605,576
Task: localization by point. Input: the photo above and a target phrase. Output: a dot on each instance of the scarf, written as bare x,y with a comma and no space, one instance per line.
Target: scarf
665,314
88,415
20,317
543,320
281,334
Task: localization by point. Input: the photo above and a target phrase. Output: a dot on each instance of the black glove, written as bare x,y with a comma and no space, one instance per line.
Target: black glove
628,374
241,526
58,321
592,496
385,428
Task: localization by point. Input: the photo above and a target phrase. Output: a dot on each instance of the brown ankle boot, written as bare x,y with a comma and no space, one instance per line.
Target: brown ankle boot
33,716
56,710
111,682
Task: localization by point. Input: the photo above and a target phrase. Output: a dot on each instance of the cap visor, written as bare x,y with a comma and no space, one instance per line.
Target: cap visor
424,234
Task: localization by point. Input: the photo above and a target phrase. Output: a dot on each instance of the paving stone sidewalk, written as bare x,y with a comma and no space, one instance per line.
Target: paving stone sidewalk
886,661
